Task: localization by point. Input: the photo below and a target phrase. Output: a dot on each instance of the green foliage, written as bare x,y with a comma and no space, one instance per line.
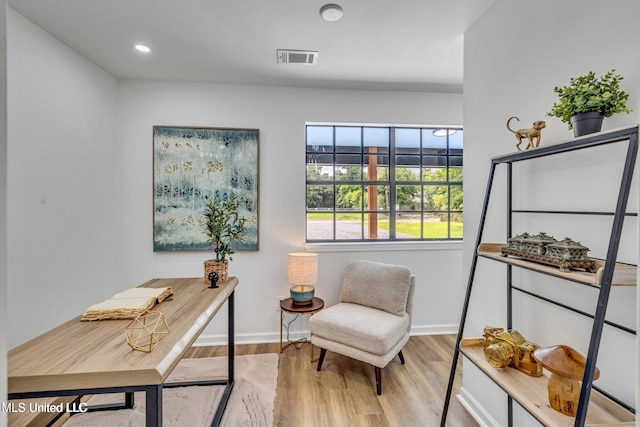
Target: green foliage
224,224
589,93
436,197
349,196
406,195
443,197
318,196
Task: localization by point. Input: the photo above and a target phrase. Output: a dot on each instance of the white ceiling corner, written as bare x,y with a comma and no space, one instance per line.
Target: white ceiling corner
412,45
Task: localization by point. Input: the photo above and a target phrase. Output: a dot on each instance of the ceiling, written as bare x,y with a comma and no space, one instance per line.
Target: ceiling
414,45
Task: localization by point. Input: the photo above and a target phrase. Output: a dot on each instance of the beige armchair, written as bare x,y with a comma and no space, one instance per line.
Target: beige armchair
371,323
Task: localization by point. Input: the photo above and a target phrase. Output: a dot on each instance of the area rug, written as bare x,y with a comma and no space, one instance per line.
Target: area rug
251,402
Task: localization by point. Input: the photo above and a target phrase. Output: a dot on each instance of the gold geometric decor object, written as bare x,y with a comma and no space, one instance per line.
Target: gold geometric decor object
146,331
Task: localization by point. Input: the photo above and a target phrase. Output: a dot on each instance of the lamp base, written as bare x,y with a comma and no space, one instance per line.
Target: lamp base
302,294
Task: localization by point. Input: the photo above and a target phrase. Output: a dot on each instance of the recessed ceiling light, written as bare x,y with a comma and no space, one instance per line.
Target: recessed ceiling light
331,12
443,132
142,48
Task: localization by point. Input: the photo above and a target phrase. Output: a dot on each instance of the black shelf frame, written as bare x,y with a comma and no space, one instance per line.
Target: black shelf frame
629,134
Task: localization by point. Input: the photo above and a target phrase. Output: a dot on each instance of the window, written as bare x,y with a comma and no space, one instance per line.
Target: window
374,183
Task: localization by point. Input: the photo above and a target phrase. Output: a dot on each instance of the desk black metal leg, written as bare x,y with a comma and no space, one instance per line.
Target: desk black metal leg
231,337
129,400
217,419
154,406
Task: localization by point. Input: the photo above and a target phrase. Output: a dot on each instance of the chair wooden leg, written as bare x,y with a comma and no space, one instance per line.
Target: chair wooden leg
323,351
401,357
378,380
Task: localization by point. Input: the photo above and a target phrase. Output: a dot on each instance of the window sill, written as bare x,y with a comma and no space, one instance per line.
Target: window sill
384,246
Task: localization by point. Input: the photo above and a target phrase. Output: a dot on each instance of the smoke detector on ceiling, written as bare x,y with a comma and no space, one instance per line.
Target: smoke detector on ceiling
331,12
287,56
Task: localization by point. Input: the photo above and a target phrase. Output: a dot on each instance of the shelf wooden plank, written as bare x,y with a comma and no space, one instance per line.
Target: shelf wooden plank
585,141
531,393
623,274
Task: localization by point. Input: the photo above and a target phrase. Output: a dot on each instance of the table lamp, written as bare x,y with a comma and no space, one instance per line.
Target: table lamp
303,274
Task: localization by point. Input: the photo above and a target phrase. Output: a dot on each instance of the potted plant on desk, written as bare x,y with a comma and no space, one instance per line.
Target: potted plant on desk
587,100
224,227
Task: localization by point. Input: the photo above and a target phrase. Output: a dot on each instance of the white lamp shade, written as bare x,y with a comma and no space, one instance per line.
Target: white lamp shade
303,268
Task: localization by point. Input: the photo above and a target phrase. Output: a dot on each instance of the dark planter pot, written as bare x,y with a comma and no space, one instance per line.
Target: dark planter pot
586,123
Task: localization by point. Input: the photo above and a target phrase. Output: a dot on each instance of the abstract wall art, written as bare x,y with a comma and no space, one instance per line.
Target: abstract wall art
191,164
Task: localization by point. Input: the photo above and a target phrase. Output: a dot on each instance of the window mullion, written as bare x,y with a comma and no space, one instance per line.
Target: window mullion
335,187
448,164
421,186
392,183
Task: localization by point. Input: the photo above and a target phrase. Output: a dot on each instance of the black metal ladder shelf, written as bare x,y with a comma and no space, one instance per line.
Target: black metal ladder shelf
611,273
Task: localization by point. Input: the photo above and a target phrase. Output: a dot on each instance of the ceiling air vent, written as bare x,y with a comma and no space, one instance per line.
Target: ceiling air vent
296,56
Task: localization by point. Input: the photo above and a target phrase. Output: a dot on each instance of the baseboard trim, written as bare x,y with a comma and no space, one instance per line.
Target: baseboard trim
434,329
477,411
218,339
270,337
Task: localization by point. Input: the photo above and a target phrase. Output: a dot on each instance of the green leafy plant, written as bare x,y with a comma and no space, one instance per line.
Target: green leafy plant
590,93
224,225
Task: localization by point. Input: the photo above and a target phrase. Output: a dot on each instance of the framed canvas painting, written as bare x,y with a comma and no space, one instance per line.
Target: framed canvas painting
193,164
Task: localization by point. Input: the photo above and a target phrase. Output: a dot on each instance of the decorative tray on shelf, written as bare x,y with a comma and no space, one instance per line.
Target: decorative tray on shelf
623,275
566,254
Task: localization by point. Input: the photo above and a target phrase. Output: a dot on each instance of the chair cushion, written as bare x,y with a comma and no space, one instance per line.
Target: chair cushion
377,285
368,329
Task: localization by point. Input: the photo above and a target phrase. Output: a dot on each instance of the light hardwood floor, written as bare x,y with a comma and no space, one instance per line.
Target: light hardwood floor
343,393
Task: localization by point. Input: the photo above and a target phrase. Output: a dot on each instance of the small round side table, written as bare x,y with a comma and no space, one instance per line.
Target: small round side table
287,305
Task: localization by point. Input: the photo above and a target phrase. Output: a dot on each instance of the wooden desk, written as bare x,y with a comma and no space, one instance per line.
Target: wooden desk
79,358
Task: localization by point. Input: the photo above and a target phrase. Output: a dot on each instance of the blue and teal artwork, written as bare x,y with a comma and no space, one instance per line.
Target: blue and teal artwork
191,164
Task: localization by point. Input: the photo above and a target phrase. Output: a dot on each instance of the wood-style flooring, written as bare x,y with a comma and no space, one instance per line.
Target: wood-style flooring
343,393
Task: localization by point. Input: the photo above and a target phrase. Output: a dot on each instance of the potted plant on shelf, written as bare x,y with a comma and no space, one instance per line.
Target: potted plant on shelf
587,100
224,227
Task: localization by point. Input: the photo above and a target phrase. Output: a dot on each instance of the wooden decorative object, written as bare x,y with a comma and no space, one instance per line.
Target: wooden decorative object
567,369
146,331
220,267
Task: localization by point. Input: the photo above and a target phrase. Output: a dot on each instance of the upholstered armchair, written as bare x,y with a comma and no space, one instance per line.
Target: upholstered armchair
371,323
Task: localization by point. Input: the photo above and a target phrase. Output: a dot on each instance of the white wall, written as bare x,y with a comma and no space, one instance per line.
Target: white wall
62,181
514,56
280,114
3,206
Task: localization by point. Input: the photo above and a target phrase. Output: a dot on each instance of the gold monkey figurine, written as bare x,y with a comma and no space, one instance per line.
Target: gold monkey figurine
532,134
